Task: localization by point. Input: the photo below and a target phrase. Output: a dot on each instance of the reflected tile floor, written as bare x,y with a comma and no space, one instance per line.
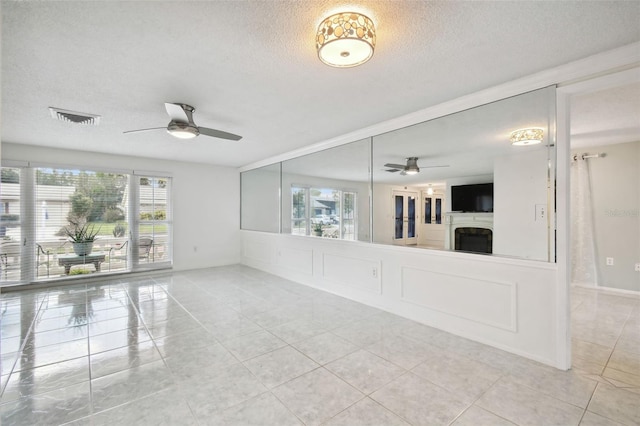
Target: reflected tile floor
237,346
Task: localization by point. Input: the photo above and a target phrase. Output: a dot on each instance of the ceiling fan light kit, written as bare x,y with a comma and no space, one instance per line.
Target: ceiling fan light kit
346,39
411,168
182,130
182,126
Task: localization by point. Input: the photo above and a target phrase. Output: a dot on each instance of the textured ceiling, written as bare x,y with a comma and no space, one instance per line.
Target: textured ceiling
606,117
250,67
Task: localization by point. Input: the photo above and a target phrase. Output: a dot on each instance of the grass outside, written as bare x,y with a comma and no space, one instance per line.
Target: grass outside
106,229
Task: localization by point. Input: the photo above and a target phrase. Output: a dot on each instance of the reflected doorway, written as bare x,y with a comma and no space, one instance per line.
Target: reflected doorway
431,230
405,205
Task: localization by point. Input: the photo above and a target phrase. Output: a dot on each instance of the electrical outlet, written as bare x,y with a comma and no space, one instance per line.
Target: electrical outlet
609,261
541,212
374,272
637,267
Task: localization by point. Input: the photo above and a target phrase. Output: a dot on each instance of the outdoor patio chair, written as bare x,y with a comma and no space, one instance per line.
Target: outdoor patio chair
10,256
42,258
119,252
145,247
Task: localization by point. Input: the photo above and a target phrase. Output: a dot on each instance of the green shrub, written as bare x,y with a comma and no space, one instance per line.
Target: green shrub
112,215
119,230
160,215
146,216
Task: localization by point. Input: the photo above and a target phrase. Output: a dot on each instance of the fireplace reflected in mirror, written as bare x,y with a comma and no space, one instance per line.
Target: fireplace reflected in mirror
474,240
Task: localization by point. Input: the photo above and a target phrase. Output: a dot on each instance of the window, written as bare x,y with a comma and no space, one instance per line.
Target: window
323,212
299,216
121,222
154,225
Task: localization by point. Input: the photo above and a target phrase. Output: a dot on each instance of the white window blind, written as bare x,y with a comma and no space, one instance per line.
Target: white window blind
121,222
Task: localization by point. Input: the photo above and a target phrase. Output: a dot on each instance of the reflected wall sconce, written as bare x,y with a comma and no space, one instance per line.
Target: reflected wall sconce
346,39
529,136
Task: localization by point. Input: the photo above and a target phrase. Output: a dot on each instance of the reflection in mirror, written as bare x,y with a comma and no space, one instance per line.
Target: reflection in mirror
326,194
458,183
260,199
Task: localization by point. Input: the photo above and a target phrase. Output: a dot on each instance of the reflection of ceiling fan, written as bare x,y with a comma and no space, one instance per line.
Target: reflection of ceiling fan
182,125
411,168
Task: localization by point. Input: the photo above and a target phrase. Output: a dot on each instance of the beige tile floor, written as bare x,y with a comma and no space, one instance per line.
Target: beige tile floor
236,346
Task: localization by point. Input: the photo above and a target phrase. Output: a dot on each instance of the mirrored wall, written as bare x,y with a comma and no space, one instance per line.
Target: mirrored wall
453,183
326,194
260,199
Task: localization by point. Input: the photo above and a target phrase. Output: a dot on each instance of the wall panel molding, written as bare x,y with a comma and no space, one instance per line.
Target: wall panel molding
354,272
489,302
296,259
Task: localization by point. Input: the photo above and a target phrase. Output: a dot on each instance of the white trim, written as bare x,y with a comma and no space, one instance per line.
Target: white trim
15,163
609,290
563,250
588,67
512,286
66,166
150,173
608,81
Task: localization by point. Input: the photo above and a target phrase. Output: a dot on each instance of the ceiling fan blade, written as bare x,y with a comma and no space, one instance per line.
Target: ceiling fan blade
218,134
176,112
145,130
392,170
395,166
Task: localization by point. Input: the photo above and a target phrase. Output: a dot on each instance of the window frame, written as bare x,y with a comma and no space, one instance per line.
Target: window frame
341,210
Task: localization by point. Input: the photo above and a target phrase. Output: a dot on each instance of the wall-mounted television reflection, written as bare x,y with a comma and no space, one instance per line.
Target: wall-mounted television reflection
472,198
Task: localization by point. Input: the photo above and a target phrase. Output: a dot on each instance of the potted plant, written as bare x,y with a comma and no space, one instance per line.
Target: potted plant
82,237
317,229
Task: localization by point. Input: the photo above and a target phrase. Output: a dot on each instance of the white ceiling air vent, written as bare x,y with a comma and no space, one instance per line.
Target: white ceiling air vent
74,117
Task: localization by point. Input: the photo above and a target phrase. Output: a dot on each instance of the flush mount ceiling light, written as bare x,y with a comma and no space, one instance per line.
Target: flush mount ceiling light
529,136
346,39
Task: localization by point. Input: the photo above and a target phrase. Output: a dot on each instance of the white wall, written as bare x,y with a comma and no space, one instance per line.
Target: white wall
506,303
520,184
615,185
206,200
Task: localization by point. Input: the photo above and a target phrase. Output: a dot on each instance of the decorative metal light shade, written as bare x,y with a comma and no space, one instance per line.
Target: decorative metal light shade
530,136
346,39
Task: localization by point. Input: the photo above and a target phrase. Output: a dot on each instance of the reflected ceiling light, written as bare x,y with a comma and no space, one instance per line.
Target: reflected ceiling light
346,39
430,190
529,136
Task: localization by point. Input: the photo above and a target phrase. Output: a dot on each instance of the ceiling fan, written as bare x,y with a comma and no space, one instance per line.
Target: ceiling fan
182,125
411,168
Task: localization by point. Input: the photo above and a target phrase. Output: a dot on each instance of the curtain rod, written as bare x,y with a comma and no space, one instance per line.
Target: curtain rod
585,156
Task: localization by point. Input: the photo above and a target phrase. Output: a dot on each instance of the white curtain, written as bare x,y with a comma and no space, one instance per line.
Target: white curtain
583,248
